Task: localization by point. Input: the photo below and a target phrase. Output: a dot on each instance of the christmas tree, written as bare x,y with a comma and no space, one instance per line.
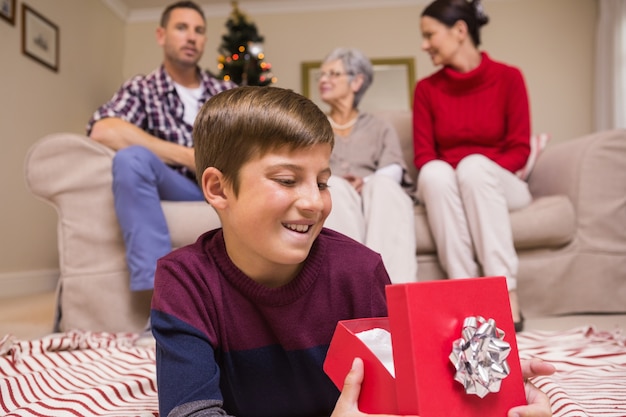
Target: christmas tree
241,58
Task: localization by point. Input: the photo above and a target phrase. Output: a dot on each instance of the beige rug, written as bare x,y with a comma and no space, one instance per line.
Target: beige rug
101,374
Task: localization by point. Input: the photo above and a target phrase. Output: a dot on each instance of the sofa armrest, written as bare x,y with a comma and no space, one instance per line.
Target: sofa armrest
591,172
52,158
73,174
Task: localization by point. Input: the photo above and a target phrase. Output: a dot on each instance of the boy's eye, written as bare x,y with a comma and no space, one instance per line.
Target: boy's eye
285,181
322,185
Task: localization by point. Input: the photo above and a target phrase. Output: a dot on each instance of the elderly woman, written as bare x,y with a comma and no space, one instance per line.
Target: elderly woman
369,173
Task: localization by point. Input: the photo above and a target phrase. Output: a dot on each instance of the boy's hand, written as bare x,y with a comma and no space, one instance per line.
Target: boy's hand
347,404
536,367
538,401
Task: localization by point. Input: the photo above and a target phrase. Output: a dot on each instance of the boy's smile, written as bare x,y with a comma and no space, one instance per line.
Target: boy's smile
283,201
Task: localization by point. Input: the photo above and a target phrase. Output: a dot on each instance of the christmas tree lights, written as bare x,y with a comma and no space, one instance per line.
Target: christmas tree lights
241,57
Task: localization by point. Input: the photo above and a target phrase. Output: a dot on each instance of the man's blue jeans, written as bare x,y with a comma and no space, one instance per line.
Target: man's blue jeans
140,181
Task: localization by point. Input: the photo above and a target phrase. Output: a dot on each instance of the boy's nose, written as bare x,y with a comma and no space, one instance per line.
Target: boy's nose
311,199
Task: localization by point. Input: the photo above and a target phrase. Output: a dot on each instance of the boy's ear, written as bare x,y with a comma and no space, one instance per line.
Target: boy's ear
214,187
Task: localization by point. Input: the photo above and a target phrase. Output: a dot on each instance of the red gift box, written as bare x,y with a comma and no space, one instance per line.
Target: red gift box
425,318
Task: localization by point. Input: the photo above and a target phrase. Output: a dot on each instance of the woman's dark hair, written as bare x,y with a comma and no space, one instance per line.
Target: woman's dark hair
449,12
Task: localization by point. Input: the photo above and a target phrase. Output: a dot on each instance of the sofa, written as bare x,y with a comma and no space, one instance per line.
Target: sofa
571,240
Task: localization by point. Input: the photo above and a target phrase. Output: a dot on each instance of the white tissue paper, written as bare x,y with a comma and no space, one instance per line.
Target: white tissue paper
379,342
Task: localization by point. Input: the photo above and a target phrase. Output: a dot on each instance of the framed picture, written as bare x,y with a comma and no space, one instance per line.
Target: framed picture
392,88
40,38
7,10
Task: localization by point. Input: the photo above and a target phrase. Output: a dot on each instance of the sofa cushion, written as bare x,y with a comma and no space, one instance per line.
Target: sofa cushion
187,220
548,222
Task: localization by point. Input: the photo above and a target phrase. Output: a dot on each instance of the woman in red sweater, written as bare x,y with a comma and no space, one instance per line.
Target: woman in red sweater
471,134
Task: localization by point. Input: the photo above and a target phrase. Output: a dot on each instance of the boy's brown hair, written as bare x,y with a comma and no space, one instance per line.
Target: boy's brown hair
237,125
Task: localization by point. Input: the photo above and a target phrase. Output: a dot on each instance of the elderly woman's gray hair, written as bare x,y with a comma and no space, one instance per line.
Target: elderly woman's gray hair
354,62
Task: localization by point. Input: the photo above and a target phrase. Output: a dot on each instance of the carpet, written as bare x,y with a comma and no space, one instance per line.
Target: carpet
103,374
77,374
591,370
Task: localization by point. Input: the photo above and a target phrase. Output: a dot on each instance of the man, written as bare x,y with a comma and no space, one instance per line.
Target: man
149,123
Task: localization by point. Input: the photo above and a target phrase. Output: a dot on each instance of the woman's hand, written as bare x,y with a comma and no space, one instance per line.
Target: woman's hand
347,404
356,182
538,401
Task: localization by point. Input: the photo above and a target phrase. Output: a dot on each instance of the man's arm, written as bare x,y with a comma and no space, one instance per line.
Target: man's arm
117,133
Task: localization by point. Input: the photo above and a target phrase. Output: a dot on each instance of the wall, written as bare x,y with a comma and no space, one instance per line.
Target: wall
35,101
552,41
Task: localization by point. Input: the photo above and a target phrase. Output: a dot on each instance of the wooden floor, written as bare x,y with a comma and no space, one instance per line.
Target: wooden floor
27,317
32,316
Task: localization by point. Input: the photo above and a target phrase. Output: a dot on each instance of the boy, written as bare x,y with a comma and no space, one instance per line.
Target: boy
243,318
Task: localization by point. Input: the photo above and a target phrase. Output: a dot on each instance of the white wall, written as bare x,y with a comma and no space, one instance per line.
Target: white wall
35,101
552,41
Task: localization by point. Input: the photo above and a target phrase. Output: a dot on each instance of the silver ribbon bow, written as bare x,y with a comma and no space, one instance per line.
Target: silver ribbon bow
479,356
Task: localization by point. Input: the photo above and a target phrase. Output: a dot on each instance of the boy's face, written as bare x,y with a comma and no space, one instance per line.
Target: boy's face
280,209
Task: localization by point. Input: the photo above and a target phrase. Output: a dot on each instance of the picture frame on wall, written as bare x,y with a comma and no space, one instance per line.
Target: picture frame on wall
40,38
7,11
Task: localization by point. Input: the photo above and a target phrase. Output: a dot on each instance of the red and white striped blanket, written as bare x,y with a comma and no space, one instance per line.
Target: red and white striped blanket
102,374
591,370
77,374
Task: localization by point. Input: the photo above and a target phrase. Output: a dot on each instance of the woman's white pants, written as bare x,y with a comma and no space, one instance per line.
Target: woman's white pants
468,214
381,217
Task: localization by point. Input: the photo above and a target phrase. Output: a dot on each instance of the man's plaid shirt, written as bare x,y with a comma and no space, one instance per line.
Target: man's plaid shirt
151,103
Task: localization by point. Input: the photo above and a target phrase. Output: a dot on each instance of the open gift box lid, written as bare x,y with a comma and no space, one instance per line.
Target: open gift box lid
425,319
